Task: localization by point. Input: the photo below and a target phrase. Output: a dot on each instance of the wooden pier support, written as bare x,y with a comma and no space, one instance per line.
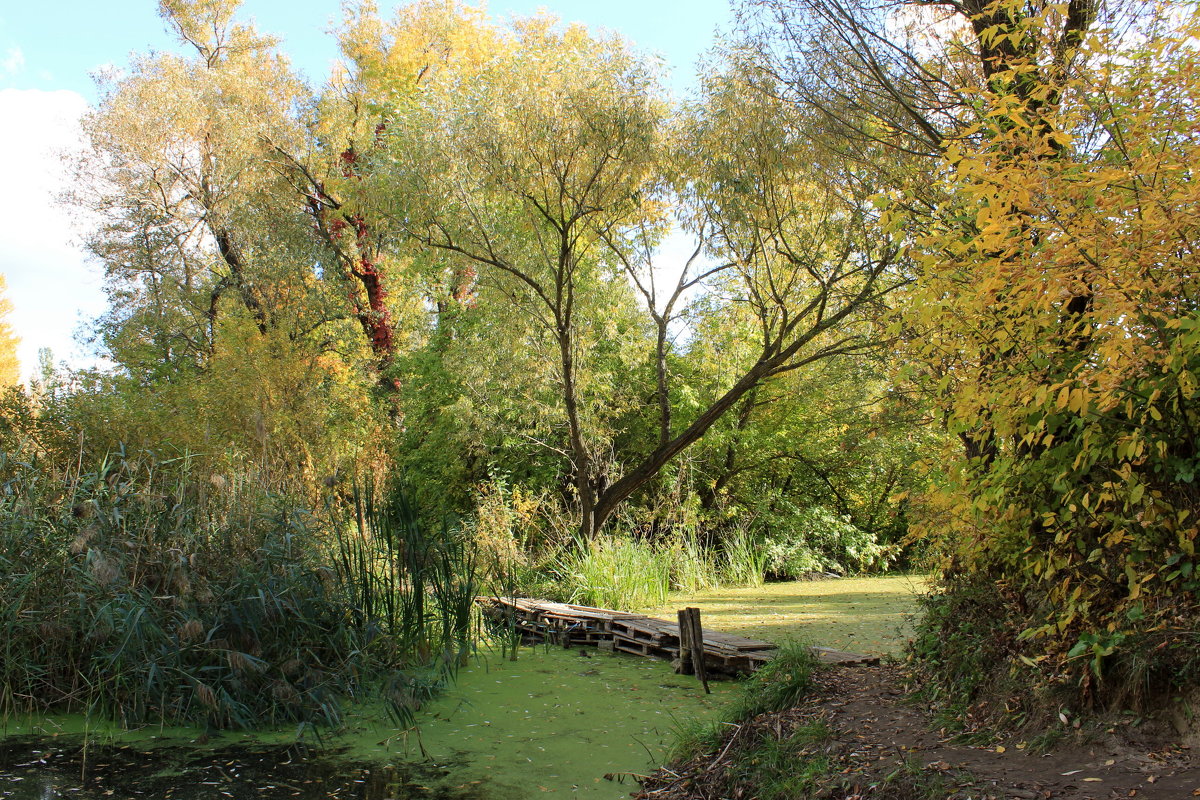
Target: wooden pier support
689,627
685,666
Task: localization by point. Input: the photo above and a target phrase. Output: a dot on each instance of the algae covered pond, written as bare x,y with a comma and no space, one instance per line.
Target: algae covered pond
552,723
865,614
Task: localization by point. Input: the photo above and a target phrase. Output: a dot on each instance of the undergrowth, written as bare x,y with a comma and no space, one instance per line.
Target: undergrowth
528,547
771,745
975,657
779,684
138,590
783,768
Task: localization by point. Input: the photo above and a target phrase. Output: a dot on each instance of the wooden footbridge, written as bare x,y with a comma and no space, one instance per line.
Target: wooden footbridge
568,625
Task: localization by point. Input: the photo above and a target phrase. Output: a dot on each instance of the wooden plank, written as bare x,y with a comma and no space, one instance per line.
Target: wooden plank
647,625
720,642
563,609
641,635
828,655
607,612
637,648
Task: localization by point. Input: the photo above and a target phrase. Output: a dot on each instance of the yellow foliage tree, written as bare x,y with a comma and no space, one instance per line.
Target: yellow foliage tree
10,366
1058,300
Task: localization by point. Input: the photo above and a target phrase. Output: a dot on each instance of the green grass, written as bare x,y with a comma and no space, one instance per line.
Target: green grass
779,684
784,769
866,615
777,768
616,572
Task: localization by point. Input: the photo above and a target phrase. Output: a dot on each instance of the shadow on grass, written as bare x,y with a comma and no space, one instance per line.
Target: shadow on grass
865,614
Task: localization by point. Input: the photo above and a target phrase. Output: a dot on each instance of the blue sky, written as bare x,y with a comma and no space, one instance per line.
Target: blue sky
48,51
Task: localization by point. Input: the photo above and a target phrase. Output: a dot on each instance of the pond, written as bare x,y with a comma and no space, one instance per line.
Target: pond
553,723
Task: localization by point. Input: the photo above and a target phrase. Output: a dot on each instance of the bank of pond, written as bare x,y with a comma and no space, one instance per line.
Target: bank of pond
553,722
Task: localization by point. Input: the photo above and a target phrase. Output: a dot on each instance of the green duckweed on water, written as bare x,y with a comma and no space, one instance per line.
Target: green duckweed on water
863,614
555,721
552,723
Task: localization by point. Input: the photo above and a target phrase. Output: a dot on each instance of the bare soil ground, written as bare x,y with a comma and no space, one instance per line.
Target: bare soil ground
882,746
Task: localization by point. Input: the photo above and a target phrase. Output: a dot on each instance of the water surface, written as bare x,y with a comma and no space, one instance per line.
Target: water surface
553,723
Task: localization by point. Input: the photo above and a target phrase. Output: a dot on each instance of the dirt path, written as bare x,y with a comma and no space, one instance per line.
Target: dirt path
882,746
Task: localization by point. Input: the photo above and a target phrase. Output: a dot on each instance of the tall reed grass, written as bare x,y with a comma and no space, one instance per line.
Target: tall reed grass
139,590
744,559
412,589
617,571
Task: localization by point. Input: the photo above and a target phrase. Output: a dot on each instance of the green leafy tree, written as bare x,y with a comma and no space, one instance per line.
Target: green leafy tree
550,176
1050,321
233,336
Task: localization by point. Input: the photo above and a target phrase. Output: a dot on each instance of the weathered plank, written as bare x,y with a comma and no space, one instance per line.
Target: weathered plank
828,655
726,642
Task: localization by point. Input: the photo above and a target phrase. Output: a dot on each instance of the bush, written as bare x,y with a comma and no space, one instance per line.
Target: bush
779,684
965,632
817,540
973,649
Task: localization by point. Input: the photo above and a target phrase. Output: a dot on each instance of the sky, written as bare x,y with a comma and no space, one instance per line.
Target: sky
49,52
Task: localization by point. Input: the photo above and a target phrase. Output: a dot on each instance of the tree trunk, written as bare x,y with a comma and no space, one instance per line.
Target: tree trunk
589,525
664,397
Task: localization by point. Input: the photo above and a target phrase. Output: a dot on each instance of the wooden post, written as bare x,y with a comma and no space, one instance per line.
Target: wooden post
696,638
685,643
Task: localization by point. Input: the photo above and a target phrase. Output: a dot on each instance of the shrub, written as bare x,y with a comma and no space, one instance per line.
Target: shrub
779,684
616,572
817,540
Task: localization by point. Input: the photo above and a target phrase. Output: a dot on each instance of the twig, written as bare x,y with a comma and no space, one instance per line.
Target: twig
728,745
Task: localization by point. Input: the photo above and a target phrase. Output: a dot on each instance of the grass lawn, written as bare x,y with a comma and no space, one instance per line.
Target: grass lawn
863,615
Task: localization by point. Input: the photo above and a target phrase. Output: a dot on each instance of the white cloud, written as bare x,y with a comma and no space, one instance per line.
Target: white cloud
50,285
13,61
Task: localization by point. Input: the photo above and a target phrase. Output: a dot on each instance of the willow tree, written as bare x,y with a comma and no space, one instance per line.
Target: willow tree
191,217
218,301
545,164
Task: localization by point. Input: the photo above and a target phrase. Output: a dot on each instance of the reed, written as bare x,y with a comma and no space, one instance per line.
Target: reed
413,588
616,572
144,592
744,559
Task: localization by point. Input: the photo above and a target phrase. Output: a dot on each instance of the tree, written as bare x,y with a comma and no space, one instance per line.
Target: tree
10,365
551,154
232,331
190,206
550,176
334,175
1075,347
1050,322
